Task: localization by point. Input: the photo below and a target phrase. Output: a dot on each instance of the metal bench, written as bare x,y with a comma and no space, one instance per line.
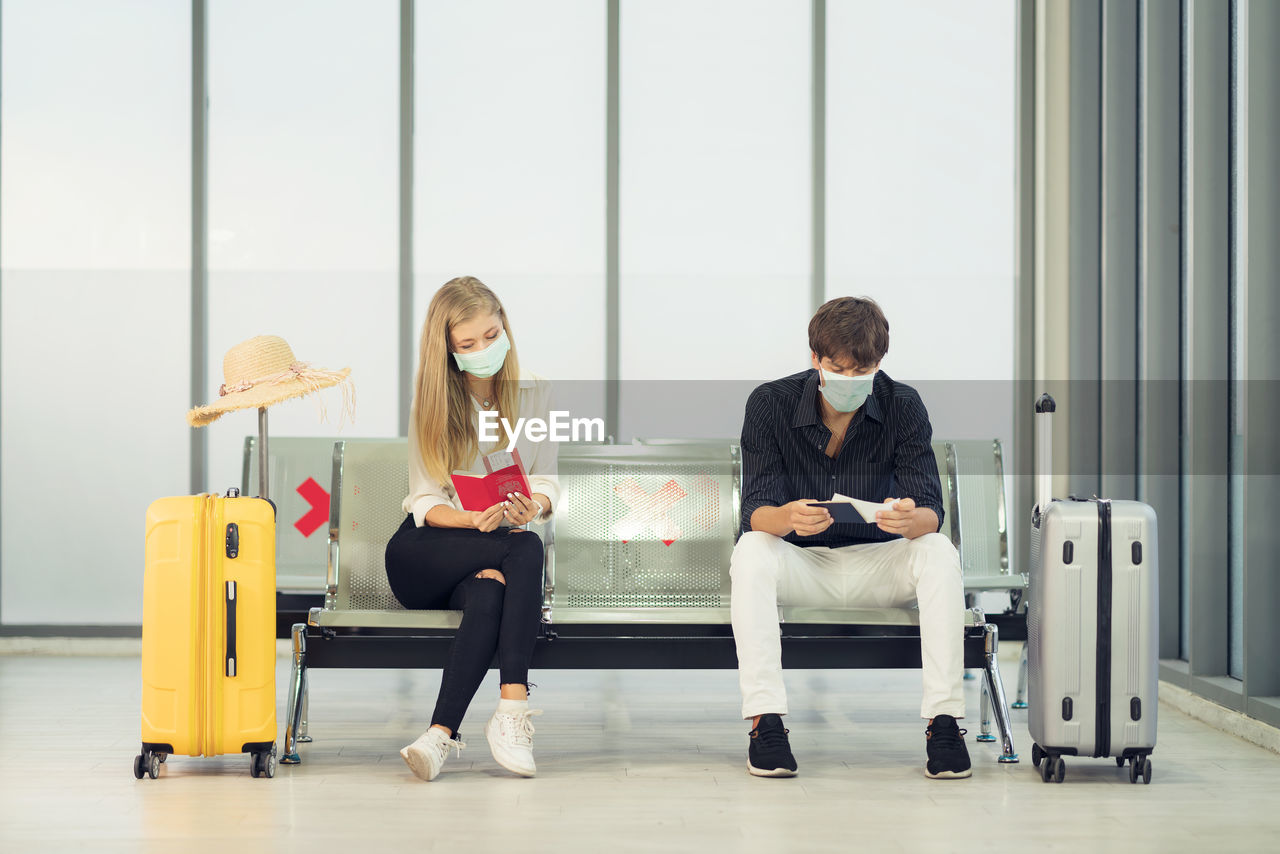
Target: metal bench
300,469
636,575
298,466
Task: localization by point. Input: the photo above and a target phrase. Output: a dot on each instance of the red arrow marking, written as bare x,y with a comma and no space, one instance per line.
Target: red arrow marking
318,498
648,511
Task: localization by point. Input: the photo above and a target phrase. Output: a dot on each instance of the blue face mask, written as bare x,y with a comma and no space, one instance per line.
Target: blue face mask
487,362
845,394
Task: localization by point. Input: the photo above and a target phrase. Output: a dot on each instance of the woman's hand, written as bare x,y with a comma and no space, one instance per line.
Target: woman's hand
487,520
520,510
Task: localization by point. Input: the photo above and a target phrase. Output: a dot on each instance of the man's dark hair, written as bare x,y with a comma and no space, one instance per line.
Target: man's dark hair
850,328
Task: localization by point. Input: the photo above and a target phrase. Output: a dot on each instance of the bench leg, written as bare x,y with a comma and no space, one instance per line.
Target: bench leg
297,696
993,683
1020,700
969,602
985,734
303,738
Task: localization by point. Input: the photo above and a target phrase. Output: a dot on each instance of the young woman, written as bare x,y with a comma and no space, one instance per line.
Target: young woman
482,562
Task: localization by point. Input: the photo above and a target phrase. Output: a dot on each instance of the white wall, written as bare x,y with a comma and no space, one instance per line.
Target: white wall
920,168
303,189
95,310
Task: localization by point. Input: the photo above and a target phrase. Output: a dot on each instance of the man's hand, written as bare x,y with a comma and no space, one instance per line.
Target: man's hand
907,519
805,520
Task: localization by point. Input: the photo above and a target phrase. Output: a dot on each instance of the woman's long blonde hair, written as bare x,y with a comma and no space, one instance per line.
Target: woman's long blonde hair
442,406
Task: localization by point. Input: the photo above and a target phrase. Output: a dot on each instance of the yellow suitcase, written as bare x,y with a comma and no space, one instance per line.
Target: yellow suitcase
208,631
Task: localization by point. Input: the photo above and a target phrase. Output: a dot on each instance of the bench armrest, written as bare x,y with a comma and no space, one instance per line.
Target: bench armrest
331,576
548,566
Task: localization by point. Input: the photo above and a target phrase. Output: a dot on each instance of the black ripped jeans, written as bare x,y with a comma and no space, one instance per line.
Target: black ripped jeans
435,568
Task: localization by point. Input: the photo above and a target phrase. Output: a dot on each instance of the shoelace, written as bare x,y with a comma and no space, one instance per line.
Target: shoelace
517,727
442,747
772,739
948,738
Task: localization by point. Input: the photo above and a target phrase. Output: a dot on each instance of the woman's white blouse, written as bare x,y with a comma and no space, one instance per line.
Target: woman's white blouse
539,458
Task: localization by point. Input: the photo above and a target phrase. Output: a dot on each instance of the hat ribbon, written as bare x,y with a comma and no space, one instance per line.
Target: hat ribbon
311,378
298,370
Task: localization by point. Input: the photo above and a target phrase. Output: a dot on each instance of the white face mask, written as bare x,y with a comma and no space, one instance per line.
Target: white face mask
487,362
845,394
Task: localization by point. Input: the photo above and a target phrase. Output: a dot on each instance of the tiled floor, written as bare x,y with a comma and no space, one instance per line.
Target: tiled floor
628,761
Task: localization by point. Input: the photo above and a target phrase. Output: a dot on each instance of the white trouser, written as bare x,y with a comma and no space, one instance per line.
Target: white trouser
768,571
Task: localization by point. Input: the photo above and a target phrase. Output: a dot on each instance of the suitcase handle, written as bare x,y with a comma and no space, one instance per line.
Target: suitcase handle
231,629
1045,407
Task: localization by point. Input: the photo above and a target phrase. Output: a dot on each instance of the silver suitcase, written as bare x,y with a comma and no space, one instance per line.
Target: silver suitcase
1091,628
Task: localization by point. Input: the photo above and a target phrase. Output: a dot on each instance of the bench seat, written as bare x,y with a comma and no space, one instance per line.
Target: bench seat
624,616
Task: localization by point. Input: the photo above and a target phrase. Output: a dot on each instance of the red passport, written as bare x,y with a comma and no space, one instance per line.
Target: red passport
505,474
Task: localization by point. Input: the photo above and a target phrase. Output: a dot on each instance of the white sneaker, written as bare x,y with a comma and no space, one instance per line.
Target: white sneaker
425,757
510,737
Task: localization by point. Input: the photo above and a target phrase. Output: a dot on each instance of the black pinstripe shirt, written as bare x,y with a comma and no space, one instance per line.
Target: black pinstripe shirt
886,453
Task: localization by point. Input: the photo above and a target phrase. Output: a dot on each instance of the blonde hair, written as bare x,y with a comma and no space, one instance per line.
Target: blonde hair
441,413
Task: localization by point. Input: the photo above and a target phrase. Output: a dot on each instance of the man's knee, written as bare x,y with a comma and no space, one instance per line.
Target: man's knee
935,553
756,552
492,573
938,542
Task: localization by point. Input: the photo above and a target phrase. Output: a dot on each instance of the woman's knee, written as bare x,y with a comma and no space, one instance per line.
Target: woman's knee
483,594
525,547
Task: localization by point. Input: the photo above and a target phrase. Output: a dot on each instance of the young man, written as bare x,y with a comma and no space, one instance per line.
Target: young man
843,427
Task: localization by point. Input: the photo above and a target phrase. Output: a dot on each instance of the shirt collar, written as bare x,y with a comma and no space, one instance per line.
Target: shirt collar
806,412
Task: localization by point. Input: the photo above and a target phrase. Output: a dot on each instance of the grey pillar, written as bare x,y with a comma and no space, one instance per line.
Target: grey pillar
199,448
1205,275
1024,392
1,309
1159,308
1260,273
1084,409
405,260
818,158
1119,285
612,283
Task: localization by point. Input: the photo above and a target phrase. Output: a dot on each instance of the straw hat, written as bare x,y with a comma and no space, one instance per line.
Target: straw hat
263,371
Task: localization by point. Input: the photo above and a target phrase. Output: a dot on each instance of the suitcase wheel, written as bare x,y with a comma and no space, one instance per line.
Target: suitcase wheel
1140,767
1119,761
263,763
1053,770
1036,755
147,764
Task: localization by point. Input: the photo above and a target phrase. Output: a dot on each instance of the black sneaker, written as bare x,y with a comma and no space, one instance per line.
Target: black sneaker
770,752
944,742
